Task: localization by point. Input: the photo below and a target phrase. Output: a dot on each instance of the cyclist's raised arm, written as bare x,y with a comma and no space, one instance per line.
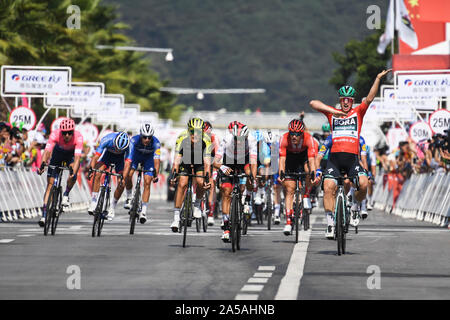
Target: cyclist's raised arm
322,107
376,84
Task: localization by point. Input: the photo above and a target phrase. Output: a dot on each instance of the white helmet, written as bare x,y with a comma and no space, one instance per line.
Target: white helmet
147,129
269,136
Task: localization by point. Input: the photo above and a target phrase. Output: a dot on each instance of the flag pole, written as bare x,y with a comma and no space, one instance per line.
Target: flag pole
395,32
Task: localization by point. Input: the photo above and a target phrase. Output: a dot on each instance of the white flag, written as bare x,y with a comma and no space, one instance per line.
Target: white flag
388,34
404,26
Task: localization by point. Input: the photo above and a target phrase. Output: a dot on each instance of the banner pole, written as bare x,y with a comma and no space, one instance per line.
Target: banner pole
42,118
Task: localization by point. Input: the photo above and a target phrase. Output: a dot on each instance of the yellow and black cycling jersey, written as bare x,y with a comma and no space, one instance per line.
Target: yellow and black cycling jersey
184,147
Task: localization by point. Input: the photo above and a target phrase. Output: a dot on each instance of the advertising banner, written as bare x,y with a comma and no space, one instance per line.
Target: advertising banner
80,94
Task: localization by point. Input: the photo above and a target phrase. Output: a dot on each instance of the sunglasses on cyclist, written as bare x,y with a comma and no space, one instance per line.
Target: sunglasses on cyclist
348,100
146,137
195,131
296,134
67,133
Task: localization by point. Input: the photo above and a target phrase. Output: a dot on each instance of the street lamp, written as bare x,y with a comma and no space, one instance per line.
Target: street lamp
168,51
201,92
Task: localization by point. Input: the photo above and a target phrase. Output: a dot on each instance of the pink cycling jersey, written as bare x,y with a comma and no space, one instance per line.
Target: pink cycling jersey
56,138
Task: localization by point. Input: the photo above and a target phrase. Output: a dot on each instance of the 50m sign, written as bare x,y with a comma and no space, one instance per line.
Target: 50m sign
25,115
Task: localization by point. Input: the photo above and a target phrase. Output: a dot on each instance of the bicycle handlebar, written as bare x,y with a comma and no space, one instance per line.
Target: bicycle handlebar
106,172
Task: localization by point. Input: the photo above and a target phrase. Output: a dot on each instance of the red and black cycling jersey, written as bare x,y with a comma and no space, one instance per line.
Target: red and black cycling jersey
306,144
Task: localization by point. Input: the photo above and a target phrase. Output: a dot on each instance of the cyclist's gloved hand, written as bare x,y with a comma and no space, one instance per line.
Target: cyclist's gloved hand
41,168
226,170
155,179
255,185
89,174
318,173
282,176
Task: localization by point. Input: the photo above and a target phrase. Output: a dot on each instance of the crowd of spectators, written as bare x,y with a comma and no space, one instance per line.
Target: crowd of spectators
20,148
432,155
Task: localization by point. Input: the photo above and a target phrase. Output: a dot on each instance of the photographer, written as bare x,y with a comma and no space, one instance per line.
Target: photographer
433,155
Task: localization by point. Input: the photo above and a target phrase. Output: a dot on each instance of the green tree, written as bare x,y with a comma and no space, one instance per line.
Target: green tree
34,32
360,64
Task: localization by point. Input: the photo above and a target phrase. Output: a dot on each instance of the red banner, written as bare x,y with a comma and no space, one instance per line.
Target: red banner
434,10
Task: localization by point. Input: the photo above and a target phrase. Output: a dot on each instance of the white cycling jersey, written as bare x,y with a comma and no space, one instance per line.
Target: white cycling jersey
237,154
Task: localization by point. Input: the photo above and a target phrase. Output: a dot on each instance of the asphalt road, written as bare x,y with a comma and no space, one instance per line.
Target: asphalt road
390,258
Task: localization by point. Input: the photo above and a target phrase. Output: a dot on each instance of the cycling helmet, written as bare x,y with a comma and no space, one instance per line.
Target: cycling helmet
207,126
238,129
195,123
258,135
326,127
296,126
67,125
147,129
121,141
269,137
346,92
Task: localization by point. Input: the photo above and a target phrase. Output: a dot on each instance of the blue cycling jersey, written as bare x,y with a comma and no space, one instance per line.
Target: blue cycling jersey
138,149
107,143
263,148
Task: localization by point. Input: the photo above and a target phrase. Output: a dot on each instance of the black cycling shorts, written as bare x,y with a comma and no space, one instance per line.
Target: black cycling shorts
295,162
187,168
340,163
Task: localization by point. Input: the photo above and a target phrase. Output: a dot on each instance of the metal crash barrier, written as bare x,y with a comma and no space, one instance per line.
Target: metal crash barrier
22,193
425,197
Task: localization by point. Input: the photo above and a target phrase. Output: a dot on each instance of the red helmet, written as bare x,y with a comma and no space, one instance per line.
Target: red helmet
296,125
238,129
207,126
67,125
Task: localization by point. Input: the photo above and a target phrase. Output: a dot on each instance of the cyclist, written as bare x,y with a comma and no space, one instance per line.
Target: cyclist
237,153
64,145
212,194
263,162
113,149
274,147
324,152
145,149
296,148
192,154
345,125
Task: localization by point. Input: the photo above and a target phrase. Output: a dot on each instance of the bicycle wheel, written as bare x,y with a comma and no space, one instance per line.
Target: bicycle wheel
296,216
134,209
49,214
234,223
98,212
340,226
306,213
57,210
104,212
198,224
269,209
186,214
205,216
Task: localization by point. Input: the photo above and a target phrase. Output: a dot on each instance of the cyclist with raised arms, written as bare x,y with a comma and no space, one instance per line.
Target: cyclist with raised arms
145,149
192,154
212,194
113,149
346,126
64,145
296,149
237,153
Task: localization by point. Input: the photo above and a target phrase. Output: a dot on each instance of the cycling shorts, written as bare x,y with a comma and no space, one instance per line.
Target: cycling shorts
275,179
146,162
57,160
187,168
295,162
343,163
227,181
109,158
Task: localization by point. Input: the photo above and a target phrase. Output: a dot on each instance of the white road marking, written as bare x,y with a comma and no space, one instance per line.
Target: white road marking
290,284
262,275
266,268
26,235
253,287
6,240
243,296
258,280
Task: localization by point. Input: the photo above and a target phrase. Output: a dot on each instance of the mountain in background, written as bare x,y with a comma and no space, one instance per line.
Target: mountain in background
283,46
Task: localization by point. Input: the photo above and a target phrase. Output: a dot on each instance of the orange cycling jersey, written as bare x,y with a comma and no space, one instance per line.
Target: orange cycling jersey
346,130
306,142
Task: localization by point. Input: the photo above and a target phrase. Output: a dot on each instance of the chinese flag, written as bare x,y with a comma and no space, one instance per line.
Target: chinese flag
428,33
434,11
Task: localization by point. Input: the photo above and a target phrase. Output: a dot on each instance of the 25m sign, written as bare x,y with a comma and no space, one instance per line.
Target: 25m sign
23,115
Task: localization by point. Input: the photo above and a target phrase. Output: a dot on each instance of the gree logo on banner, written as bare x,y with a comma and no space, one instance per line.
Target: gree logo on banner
436,85
34,81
